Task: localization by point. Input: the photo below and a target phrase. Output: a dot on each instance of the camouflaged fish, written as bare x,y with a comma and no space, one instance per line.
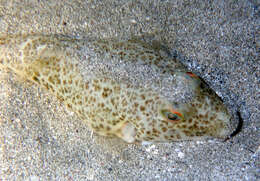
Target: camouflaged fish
127,89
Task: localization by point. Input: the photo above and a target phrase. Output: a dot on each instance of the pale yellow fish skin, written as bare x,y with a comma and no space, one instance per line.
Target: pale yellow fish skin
127,89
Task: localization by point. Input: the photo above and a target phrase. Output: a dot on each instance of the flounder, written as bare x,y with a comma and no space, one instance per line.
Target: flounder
123,88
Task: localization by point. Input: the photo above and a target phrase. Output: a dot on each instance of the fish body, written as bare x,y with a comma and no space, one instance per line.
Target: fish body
126,88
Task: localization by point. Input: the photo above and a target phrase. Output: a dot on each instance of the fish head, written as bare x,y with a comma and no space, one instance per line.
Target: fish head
203,116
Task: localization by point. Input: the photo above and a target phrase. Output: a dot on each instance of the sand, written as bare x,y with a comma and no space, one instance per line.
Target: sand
42,140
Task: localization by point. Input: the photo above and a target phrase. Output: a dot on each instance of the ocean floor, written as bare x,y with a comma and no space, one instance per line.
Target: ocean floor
40,139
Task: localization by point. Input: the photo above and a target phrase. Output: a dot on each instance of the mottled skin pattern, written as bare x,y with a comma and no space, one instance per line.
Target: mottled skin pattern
111,103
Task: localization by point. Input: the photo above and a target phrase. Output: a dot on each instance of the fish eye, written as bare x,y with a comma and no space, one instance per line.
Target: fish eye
171,116
192,75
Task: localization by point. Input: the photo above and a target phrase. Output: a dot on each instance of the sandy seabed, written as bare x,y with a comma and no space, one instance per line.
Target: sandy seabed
42,140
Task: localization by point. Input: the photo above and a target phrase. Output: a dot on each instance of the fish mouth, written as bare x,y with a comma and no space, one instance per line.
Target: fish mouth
238,128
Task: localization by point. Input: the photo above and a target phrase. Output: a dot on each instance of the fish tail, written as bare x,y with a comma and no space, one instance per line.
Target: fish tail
13,53
40,59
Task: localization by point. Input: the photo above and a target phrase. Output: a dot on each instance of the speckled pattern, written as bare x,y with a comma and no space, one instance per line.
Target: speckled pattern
218,40
112,95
